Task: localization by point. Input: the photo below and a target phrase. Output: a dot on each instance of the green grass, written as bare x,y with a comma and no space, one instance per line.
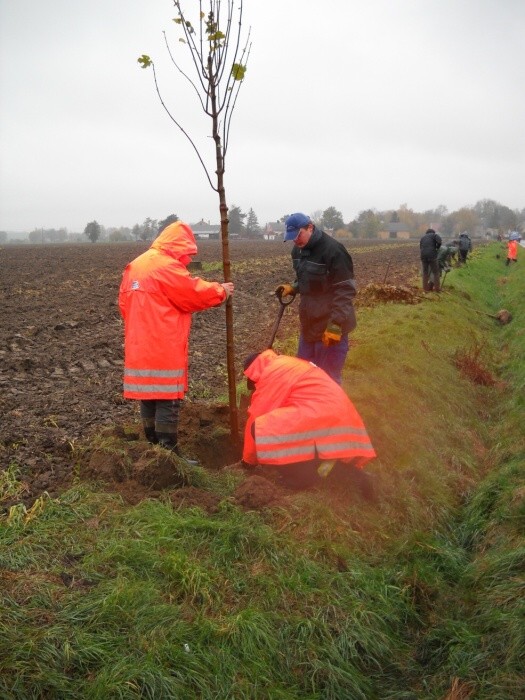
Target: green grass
104,606
322,597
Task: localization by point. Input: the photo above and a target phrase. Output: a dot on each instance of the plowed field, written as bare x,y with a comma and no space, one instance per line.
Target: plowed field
61,342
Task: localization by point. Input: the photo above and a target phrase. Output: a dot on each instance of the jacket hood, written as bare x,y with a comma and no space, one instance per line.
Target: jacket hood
176,240
261,362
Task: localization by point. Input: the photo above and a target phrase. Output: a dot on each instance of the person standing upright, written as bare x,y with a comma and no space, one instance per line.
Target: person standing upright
157,298
465,247
325,280
429,246
512,248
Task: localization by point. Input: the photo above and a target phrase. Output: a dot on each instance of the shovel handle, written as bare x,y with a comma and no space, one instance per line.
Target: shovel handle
279,296
282,306
276,324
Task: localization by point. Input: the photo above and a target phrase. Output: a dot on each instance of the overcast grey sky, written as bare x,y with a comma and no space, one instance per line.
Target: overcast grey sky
347,103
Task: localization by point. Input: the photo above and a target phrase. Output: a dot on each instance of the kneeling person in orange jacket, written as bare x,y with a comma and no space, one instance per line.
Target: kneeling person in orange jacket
157,299
300,419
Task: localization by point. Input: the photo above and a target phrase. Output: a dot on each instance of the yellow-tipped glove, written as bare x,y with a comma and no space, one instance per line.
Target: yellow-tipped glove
284,290
326,467
332,334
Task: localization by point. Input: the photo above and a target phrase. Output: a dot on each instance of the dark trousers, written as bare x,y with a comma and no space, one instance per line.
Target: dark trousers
430,265
331,358
304,475
298,476
160,416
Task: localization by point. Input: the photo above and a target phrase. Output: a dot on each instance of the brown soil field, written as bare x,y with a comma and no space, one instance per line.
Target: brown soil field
61,349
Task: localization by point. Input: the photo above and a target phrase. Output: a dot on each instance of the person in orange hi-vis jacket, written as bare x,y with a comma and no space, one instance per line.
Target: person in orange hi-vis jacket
157,298
512,251
301,421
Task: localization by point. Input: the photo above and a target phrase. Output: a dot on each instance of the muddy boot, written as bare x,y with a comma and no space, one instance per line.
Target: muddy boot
151,435
169,442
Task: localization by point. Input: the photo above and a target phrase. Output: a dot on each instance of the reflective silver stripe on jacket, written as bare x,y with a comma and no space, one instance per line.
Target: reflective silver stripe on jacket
309,450
160,373
309,435
154,388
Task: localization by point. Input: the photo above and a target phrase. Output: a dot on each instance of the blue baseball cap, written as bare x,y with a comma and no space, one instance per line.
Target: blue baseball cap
293,223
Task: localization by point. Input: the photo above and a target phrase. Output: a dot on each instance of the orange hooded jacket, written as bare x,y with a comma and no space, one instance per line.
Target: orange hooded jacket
299,414
512,250
156,299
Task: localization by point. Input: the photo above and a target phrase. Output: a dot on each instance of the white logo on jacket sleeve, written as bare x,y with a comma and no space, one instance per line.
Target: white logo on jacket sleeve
135,284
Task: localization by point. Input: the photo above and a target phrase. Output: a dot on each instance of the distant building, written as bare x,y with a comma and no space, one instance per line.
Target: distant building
395,230
343,234
273,230
203,229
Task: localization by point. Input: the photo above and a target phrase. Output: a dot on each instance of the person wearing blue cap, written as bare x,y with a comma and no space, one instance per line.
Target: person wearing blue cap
325,280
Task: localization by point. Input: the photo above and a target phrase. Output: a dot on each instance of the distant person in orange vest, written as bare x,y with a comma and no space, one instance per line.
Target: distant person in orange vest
512,248
302,422
157,298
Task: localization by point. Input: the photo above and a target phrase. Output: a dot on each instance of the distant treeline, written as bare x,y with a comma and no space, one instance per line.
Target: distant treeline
487,218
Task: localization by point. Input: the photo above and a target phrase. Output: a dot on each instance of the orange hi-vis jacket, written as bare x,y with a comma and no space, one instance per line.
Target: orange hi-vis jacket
156,299
300,413
512,250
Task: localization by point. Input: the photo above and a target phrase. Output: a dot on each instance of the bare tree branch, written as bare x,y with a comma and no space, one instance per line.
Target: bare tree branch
194,51
235,93
181,128
190,81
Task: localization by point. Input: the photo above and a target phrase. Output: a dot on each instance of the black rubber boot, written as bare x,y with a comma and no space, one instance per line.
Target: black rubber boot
151,435
169,442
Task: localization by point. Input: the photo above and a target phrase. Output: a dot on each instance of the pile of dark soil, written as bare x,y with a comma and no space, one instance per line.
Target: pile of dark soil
373,294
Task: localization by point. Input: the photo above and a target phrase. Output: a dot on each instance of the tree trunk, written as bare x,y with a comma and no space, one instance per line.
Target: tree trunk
230,347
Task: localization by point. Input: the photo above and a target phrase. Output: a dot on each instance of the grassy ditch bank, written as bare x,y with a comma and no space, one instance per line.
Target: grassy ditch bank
415,595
